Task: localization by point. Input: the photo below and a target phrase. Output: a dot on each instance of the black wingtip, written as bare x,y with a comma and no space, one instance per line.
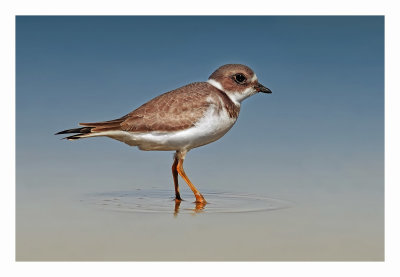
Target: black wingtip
82,130
74,137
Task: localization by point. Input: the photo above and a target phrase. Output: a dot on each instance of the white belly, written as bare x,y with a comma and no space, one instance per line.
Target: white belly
209,128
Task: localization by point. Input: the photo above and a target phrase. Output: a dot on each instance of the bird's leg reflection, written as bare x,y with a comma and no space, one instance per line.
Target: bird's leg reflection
177,205
199,207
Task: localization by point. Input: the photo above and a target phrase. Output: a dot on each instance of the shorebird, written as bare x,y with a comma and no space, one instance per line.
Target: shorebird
182,119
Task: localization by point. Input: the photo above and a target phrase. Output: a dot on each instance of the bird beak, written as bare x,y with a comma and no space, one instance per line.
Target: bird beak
261,88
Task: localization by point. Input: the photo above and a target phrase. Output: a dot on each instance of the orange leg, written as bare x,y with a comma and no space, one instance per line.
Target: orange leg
175,175
197,194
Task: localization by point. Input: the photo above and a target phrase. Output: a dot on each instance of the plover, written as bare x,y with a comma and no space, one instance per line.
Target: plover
182,119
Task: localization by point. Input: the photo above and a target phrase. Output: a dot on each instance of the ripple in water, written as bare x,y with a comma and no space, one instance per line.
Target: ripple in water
161,201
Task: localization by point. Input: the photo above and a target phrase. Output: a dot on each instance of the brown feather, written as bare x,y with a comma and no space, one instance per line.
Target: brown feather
172,111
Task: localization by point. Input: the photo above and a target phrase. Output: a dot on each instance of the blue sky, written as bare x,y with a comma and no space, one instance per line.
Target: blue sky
326,112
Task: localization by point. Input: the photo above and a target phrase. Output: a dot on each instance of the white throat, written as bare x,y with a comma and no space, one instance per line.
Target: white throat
215,84
235,96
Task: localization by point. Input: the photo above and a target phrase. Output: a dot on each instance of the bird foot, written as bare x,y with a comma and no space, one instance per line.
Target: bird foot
200,199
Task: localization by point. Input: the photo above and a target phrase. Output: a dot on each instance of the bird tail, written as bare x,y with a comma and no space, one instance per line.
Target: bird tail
79,133
94,129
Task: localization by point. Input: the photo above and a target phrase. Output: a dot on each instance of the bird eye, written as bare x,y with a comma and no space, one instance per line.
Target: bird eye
239,78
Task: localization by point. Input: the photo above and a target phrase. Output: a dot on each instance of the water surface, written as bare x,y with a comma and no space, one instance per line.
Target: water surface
104,224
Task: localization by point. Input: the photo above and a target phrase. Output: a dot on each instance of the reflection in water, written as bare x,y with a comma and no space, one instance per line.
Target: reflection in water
198,206
159,201
177,205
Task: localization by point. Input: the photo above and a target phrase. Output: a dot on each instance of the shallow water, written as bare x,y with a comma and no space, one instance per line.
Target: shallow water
159,200
137,223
